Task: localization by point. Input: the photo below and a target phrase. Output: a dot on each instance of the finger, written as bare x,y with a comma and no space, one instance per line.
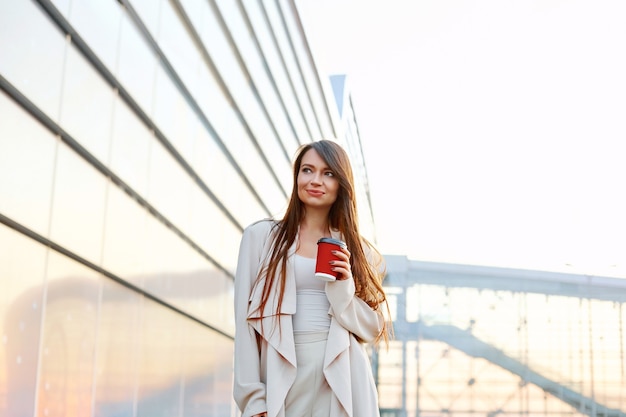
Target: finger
342,254
344,271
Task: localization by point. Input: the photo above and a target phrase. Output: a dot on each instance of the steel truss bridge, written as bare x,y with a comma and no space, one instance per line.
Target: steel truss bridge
473,340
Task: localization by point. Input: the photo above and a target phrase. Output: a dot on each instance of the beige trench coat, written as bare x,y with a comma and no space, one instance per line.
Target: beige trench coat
265,360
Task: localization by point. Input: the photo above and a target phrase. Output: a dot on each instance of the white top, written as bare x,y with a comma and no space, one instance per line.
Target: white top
312,304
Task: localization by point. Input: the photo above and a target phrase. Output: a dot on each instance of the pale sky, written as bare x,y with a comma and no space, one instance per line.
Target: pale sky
494,131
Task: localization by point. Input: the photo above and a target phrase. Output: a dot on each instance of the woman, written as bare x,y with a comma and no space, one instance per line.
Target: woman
299,341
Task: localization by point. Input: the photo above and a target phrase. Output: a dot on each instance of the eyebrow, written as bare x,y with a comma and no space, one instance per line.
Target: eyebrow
313,166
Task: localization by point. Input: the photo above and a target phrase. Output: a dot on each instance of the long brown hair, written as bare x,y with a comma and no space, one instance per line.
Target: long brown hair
368,277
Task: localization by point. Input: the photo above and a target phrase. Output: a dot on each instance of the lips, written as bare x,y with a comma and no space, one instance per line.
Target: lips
315,193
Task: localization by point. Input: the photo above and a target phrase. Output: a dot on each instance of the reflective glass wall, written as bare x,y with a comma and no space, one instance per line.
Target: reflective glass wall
492,341
137,140
351,141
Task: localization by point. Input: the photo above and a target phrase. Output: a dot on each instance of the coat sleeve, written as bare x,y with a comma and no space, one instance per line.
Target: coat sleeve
248,388
354,314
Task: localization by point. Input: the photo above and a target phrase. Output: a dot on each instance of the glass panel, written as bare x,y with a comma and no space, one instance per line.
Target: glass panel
68,339
35,44
118,350
213,232
173,115
130,148
148,10
78,205
87,106
136,65
22,271
26,161
210,96
143,251
98,23
178,274
311,94
177,45
228,126
249,160
169,187
173,193
259,67
124,252
219,175
285,33
310,75
275,60
244,96
160,361
207,372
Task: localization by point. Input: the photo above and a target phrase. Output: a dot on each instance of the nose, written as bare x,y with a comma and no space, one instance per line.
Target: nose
316,179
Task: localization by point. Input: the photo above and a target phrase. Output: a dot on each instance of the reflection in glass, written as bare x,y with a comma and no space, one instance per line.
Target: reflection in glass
22,272
104,347
177,273
207,373
141,249
67,355
118,347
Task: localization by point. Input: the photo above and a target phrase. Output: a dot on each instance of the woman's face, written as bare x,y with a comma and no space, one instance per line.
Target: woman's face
317,184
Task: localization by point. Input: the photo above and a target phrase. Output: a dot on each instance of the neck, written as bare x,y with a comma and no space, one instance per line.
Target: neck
316,222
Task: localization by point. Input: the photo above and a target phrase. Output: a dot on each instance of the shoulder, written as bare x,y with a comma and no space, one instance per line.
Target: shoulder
261,225
260,228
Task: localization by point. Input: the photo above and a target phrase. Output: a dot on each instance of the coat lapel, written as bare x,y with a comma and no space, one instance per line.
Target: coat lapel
278,335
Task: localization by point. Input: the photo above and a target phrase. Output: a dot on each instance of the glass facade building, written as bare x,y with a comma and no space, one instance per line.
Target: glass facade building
137,140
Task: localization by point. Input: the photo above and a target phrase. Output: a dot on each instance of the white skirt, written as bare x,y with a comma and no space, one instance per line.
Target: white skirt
310,395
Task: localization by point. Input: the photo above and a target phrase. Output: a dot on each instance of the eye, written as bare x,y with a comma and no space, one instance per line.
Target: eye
329,173
306,170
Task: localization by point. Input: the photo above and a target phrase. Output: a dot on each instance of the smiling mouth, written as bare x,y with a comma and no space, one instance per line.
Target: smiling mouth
315,193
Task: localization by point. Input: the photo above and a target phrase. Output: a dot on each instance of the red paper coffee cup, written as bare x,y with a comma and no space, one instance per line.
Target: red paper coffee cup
325,246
